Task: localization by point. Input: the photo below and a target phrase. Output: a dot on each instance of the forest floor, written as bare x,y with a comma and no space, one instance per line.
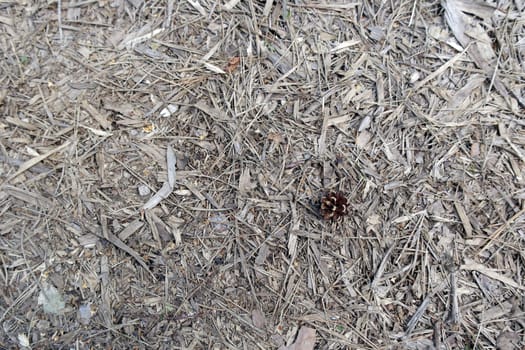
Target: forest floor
162,165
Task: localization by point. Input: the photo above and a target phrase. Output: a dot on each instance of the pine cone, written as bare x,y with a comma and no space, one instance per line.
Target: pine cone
334,205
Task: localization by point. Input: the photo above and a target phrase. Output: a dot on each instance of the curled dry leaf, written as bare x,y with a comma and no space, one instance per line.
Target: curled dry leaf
275,137
233,63
168,186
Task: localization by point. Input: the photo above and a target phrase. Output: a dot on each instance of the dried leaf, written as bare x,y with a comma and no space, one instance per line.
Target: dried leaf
172,162
97,132
219,222
130,229
292,244
479,9
135,38
365,123
169,110
472,265
32,162
258,319
305,340
264,250
102,119
161,194
168,186
362,139
231,4
198,7
213,68
474,38
464,219
148,128
508,340
84,313
345,45
245,183
23,340
275,137
51,299
27,196
233,63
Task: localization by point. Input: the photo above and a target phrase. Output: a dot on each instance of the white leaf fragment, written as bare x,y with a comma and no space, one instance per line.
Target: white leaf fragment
169,110
143,190
362,139
51,299
23,340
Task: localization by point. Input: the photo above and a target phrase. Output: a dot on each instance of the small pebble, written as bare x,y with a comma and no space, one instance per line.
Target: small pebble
144,190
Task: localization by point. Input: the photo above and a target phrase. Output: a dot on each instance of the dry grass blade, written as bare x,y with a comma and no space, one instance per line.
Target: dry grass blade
438,72
124,247
454,316
130,229
34,161
495,235
28,197
464,219
472,265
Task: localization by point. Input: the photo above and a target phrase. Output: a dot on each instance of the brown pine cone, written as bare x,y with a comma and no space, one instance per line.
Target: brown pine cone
334,205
